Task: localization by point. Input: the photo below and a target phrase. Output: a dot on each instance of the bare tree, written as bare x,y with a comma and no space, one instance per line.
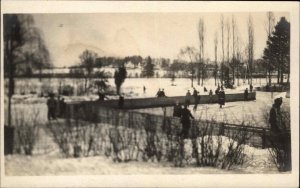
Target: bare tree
228,50
233,63
223,57
250,47
269,29
87,59
190,53
216,57
201,32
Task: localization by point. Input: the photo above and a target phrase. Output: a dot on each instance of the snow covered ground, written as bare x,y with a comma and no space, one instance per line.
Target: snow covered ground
53,164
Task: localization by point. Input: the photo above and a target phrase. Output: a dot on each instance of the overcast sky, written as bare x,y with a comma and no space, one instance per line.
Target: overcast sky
154,34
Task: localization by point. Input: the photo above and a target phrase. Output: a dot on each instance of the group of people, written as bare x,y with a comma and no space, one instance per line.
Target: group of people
160,93
55,106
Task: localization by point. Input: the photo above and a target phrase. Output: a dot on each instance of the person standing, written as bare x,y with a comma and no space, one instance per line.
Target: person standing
188,98
275,116
177,110
221,96
186,122
144,89
196,98
51,104
251,88
158,94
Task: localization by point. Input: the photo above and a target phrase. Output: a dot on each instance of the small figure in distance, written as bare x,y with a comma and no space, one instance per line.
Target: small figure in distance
144,89
205,90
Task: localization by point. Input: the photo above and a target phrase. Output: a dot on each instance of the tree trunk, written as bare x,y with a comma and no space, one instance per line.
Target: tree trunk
270,80
288,78
118,90
278,74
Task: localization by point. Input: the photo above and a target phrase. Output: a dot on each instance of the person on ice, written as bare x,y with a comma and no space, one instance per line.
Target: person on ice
162,93
186,122
251,88
144,89
51,104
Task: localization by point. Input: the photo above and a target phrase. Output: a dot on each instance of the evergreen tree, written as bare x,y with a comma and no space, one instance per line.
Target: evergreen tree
148,69
277,51
120,76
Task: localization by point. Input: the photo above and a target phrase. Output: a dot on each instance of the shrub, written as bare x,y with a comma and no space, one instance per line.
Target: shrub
67,90
26,131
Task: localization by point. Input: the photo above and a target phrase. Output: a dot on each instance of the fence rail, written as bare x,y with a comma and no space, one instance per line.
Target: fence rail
160,123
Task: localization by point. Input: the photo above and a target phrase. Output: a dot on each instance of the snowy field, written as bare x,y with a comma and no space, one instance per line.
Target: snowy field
52,164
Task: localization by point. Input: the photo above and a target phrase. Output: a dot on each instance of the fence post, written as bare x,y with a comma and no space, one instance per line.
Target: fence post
264,139
221,131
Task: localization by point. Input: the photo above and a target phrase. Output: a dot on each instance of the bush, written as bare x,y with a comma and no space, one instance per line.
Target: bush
67,90
26,131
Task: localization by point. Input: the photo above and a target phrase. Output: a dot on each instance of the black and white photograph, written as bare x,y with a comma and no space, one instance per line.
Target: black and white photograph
158,92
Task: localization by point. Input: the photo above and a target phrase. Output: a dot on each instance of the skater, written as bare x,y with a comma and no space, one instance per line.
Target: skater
188,98
51,104
246,94
196,98
177,110
186,122
144,89
251,88
275,114
221,97
205,90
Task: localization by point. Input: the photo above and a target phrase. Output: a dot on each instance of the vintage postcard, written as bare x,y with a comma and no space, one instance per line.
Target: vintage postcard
149,94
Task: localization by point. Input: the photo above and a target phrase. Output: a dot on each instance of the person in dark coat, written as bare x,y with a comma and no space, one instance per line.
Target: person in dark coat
186,122
221,97
177,110
51,104
205,90
188,98
144,88
246,94
196,98
251,88
274,118
158,94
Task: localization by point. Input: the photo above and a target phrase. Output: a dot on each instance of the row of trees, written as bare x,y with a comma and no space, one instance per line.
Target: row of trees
235,57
